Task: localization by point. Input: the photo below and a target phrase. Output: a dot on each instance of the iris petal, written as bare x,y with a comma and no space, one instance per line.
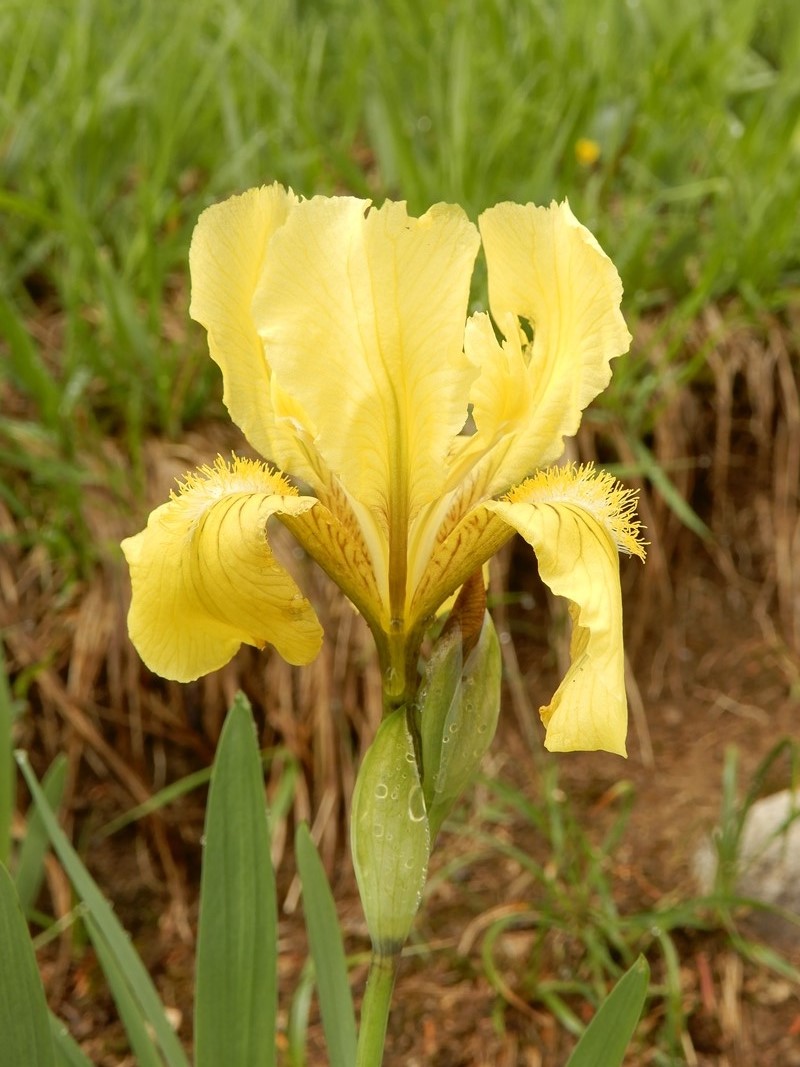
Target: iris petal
361,312
576,520
332,536
205,579
546,269
228,249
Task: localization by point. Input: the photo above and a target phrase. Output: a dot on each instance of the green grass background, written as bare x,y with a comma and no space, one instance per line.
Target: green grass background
121,119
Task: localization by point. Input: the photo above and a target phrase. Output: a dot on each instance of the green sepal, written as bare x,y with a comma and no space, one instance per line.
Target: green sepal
389,835
458,706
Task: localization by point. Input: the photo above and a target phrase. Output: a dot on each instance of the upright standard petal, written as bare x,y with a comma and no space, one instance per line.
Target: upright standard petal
547,269
576,520
226,257
205,580
361,312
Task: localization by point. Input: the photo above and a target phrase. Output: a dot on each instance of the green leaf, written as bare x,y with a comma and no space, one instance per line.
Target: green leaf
327,951
237,984
142,1044
607,1036
103,919
29,873
8,778
24,1025
68,1054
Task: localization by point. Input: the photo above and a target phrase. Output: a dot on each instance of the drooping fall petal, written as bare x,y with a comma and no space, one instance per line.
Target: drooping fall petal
205,580
546,269
576,521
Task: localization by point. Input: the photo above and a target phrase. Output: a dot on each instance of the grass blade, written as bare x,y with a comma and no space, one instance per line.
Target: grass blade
142,1044
119,945
68,1054
27,368
29,872
8,779
237,985
299,1012
607,1036
327,951
157,801
24,1021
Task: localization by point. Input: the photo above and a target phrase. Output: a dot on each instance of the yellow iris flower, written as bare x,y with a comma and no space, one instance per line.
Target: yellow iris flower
420,443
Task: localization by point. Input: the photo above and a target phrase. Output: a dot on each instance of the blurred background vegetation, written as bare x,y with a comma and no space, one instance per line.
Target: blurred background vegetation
120,121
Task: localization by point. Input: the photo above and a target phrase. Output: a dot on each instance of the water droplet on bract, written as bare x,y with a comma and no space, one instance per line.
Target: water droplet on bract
416,804
377,830
481,727
381,791
453,727
395,793
410,758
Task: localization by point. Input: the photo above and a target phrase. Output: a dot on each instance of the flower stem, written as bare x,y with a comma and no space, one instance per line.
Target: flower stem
375,1009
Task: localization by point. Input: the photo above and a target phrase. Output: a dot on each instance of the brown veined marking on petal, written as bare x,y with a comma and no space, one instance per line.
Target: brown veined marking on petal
474,540
470,494
462,502
340,551
337,501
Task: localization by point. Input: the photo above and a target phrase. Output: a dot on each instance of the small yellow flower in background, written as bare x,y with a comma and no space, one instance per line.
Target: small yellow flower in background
587,151
349,362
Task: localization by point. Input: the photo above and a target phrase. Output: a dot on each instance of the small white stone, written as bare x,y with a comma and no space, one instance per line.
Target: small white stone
770,850
769,853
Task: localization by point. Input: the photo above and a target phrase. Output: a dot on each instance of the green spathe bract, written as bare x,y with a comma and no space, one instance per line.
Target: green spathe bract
390,834
459,704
